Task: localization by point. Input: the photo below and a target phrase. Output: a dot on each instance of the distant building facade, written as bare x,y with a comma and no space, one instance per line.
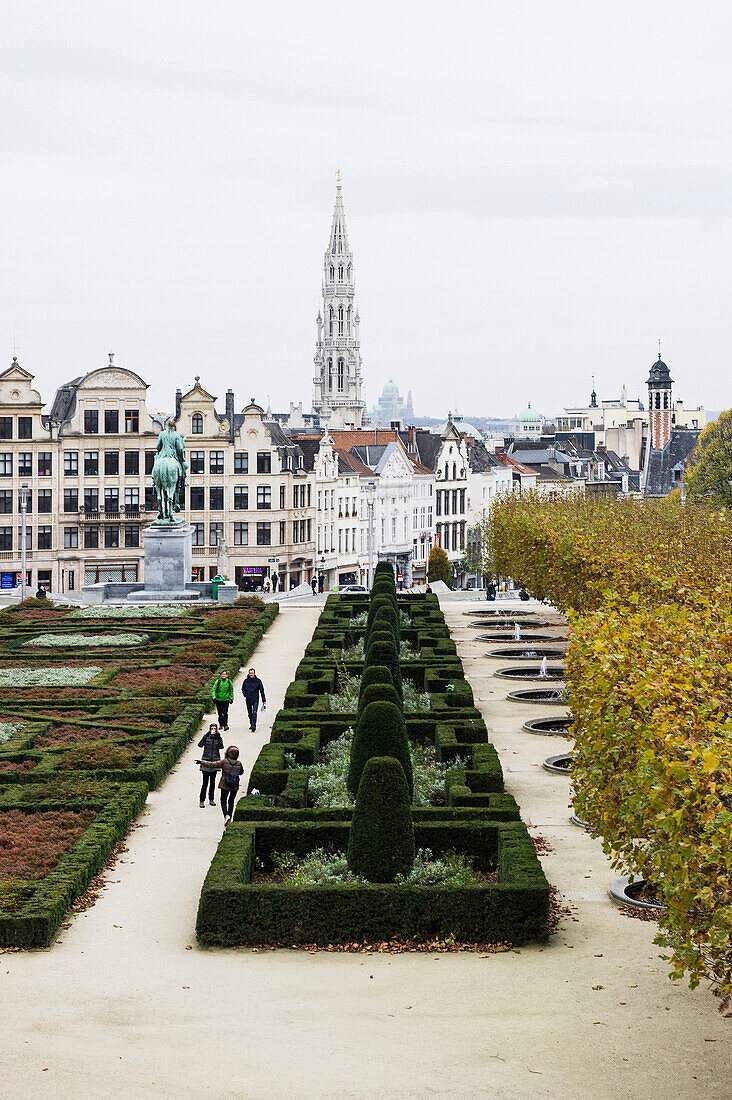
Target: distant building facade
391,409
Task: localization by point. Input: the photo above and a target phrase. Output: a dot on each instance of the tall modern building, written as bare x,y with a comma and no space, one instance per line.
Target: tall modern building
338,400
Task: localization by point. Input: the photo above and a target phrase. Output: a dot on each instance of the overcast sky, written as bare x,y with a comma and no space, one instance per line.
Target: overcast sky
534,192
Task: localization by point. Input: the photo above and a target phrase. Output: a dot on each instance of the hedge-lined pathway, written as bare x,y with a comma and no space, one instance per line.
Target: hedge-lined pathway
119,1008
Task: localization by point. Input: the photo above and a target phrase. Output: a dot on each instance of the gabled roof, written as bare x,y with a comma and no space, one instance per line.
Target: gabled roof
350,463
507,460
480,459
674,456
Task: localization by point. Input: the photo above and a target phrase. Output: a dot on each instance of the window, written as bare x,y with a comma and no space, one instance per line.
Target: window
25,427
197,502
6,538
6,427
28,538
241,500
340,320
71,500
6,465
25,464
91,422
196,424
132,420
241,534
447,471
264,496
132,500
216,462
283,532
45,463
264,462
72,580
282,496
71,463
149,460
462,500
111,462
215,533
111,421
111,536
44,500
438,502
6,502
132,535
91,500
197,534
132,462
44,537
198,458
111,500
91,463
341,371
71,538
216,498
241,462
264,534
151,504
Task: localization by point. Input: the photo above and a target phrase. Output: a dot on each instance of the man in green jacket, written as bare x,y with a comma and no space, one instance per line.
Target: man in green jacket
222,694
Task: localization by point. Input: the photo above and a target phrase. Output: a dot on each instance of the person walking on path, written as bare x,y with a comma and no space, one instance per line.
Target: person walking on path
222,694
252,688
314,584
212,744
231,769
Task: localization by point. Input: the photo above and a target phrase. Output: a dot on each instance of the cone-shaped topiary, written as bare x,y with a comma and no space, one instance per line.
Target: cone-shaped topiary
381,837
386,618
380,731
375,693
385,653
374,674
384,634
384,569
377,603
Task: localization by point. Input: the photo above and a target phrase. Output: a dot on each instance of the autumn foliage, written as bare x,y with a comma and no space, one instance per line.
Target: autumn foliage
647,589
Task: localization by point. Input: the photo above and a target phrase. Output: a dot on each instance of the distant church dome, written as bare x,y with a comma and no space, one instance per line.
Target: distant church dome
529,416
390,389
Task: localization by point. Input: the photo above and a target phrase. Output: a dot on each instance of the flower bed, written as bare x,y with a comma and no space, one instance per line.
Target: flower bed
86,641
48,677
154,611
141,715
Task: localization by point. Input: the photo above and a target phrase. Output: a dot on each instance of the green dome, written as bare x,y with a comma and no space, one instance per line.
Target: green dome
529,415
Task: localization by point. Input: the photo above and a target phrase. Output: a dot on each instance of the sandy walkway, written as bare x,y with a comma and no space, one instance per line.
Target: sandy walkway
120,1007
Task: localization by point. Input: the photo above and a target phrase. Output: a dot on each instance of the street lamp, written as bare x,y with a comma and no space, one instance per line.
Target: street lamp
24,497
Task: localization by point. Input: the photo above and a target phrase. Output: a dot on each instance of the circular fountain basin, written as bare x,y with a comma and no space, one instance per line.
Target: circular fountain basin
561,764
498,612
625,891
526,636
526,653
549,726
507,625
531,672
549,696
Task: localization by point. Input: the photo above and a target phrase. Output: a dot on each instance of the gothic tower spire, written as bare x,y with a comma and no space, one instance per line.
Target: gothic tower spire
338,399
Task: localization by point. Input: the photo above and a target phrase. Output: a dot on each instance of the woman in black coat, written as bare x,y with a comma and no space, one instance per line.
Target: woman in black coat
212,744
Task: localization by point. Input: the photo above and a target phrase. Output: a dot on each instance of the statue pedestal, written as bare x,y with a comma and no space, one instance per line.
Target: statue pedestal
168,557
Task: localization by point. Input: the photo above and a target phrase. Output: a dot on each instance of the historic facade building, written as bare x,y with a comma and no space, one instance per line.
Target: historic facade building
84,472
338,400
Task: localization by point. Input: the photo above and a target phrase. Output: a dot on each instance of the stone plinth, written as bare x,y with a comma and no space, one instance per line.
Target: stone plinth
168,557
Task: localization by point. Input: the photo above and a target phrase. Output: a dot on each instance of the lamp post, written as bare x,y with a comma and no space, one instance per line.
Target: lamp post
370,500
24,495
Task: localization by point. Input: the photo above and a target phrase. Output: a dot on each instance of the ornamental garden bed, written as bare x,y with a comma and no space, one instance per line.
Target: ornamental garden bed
82,741
379,720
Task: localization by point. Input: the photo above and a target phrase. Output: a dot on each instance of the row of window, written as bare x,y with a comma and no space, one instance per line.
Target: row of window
44,498
454,471
301,531
422,518
43,537
25,463
443,499
111,421
450,536
24,428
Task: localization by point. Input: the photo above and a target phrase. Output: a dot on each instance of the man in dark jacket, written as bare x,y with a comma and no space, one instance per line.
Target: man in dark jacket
252,688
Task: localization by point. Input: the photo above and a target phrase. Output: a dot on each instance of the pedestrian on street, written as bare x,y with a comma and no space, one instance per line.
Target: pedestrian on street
212,744
252,689
314,584
231,769
266,585
523,594
490,591
222,694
